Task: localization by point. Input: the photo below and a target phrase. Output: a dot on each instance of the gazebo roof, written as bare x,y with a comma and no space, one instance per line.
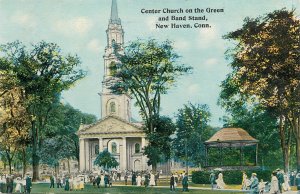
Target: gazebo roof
231,137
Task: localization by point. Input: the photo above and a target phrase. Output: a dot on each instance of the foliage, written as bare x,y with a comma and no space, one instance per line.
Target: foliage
106,160
265,70
63,123
159,148
43,73
146,70
192,131
230,177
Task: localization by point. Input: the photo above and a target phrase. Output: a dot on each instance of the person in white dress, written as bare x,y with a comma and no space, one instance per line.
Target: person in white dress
152,179
102,180
274,187
220,181
18,188
139,181
285,184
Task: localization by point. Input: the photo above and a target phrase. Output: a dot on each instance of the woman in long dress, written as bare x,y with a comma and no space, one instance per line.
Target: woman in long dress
244,181
152,179
139,180
18,188
274,187
285,184
71,183
81,184
220,181
102,180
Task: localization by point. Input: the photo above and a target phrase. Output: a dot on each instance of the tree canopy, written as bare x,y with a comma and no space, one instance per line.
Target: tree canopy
266,70
106,160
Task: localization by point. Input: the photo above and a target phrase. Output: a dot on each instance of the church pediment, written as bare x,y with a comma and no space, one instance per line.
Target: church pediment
110,124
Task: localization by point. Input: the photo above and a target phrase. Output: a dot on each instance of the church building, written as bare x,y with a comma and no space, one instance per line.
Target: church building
114,131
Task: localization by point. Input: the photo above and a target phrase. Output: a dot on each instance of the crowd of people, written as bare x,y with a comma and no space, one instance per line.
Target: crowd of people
21,185
280,182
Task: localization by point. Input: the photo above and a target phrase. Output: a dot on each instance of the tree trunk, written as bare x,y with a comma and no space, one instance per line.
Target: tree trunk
298,153
285,144
154,168
35,157
9,165
69,169
24,161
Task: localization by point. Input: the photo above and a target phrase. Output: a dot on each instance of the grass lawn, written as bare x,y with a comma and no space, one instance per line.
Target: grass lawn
44,188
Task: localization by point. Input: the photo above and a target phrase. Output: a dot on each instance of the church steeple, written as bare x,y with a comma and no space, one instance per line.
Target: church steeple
114,19
112,104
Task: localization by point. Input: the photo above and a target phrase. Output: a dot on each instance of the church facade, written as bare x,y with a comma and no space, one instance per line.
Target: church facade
115,132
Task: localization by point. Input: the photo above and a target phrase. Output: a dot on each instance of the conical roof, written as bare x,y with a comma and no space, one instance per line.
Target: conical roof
231,136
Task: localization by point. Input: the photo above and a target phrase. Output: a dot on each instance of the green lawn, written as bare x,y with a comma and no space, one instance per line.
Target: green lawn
44,188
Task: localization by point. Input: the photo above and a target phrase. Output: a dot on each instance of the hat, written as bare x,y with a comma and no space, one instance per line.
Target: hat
254,174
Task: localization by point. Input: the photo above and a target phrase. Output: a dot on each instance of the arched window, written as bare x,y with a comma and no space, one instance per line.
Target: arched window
114,147
96,149
112,107
137,148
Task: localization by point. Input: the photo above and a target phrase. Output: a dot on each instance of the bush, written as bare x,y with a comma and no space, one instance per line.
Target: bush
230,177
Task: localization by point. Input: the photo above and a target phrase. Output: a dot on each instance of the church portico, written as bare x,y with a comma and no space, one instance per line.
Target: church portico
126,150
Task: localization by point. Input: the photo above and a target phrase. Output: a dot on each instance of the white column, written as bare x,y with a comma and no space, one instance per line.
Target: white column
87,155
100,144
143,162
143,143
124,154
82,154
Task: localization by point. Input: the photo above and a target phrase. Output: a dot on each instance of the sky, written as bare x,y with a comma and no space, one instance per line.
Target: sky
78,27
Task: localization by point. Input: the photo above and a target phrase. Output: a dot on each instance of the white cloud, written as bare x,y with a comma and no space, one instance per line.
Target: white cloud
151,23
181,44
94,45
210,62
193,89
79,25
209,37
26,20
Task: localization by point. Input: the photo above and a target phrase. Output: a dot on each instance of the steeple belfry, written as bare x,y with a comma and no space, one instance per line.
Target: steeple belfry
112,104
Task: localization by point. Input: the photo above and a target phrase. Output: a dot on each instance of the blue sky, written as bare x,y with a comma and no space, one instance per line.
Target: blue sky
78,26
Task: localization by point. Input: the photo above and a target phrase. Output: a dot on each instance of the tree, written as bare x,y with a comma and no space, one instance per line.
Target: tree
192,131
61,140
146,70
106,160
43,73
265,64
159,148
15,124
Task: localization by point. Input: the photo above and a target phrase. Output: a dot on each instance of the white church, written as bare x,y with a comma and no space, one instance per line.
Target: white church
115,131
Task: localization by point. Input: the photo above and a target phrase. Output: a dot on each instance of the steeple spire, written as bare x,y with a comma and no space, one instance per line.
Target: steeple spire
114,19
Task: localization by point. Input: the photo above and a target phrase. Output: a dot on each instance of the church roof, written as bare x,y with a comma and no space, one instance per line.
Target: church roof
232,137
114,18
111,124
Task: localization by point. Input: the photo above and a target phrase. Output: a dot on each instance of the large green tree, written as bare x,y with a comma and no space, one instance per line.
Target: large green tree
265,67
159,148
61,140
191,133
146,70
43,72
